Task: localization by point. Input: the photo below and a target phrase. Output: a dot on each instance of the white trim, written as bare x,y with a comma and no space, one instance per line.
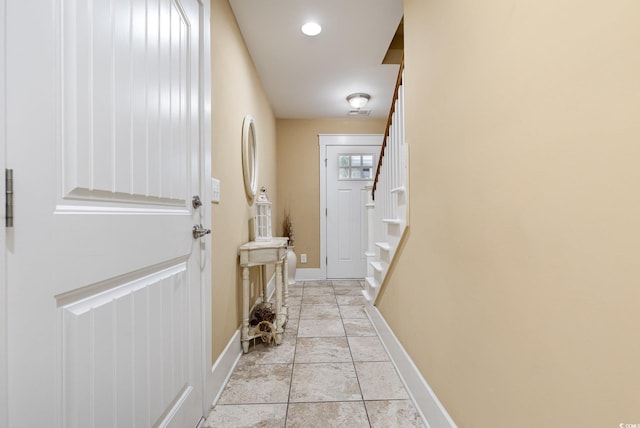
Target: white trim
433,413
325,140
4,348
208,379
224,365
309,274
177,405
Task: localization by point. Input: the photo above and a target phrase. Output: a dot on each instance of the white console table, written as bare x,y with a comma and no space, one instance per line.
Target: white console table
260,253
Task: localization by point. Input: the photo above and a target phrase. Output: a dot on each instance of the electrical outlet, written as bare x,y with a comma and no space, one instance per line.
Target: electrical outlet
303,258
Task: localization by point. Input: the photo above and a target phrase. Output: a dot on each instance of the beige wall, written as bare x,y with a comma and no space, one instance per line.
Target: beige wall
236,92
518,291
298,176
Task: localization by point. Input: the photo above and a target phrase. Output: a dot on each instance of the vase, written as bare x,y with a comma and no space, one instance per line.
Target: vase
292,259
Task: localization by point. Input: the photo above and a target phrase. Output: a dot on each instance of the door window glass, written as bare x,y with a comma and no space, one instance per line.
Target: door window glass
355,166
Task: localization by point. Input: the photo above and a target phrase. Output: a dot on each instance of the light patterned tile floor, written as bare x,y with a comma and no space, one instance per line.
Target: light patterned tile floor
331,370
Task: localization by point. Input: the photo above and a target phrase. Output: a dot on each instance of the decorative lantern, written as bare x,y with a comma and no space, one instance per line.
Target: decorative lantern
263,216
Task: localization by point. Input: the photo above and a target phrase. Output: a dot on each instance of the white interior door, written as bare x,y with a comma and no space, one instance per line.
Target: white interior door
349,168
104,132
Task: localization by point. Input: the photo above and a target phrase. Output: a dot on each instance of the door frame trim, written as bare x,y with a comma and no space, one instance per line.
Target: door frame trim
208,380
325,140
4,348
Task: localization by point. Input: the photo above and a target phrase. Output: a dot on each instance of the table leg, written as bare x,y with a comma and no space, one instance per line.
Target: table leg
286,288
279,317
263,278
245,310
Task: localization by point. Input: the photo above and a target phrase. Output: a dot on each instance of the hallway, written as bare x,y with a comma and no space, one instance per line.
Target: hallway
331,370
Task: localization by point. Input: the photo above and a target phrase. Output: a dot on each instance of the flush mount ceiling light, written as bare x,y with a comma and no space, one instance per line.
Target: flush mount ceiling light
311,28
358,100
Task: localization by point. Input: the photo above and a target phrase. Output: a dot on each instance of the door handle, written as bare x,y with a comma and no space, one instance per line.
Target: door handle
199,231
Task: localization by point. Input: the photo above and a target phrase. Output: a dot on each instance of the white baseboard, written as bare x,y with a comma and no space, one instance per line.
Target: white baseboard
224,365
309,274
432,411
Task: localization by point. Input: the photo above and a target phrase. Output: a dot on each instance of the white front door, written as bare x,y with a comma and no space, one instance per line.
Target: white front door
104,132
349,168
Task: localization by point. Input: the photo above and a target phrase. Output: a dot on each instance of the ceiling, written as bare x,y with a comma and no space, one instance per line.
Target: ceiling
310,77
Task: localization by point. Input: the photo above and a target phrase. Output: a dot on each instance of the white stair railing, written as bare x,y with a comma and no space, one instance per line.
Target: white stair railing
387,207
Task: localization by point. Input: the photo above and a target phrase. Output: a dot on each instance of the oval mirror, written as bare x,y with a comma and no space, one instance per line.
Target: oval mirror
249,158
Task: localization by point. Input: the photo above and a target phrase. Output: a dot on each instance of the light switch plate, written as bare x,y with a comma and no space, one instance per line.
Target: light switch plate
215,190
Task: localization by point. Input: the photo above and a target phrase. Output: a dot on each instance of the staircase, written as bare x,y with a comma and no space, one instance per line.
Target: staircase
387,207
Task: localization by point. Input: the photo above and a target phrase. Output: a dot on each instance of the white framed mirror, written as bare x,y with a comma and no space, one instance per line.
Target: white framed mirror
249,158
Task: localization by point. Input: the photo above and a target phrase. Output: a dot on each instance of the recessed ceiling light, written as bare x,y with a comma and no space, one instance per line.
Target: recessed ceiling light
311,28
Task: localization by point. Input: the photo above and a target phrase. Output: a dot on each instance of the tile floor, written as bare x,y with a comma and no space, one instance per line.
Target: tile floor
331,370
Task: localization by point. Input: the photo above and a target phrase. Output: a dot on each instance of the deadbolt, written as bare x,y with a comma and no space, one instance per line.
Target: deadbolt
196,202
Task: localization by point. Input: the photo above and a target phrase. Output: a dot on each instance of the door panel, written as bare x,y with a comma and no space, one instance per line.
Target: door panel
115,339
345,217
124,113
104,276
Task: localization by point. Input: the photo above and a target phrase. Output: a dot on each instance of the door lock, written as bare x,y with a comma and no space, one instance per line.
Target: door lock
199,231
196,202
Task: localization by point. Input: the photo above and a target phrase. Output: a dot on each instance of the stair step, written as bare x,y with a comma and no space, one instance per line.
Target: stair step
371,281
383,246
391,220
377,266
370,289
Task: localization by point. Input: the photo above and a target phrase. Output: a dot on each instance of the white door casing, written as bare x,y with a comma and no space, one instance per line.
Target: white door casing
342,207
3,271
106,134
